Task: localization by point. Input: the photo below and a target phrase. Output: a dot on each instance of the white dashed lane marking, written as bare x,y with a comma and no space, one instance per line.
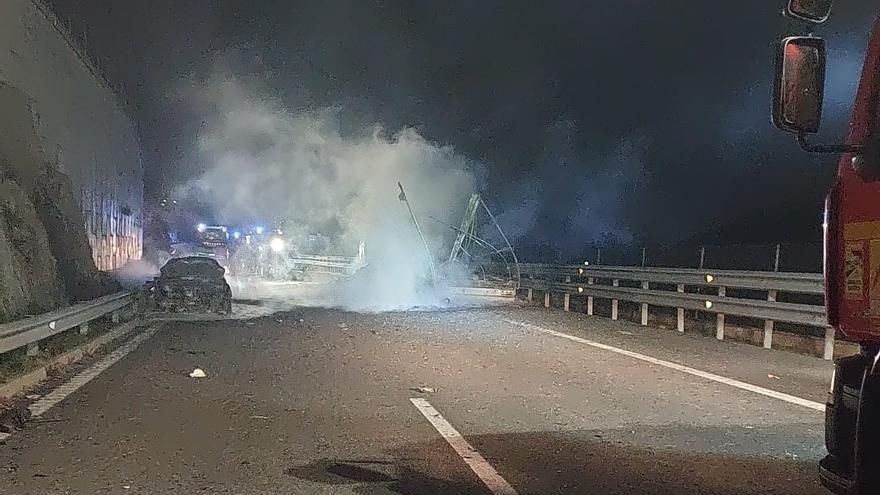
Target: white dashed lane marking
478,464
678,367
45,403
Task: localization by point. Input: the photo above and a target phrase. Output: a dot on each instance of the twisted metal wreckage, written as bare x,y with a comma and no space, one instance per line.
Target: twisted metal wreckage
477,254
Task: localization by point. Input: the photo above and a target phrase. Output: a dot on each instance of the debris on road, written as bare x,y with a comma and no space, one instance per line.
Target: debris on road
256,416
38,421
774,377
197,373
32,396
424,390
13,417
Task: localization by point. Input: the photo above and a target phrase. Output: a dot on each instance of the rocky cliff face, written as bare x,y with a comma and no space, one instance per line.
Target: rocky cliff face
60,214
45,258
29,280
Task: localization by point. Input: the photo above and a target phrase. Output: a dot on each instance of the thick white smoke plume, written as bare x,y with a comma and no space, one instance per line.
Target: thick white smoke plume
264,162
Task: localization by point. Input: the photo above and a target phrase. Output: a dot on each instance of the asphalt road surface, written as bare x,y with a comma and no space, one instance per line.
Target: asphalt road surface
460,401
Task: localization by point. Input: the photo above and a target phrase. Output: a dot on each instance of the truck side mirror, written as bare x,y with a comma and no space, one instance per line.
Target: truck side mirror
815,11
800,85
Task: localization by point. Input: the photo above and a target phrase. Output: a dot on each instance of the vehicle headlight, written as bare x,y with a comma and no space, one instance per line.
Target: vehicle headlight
277,244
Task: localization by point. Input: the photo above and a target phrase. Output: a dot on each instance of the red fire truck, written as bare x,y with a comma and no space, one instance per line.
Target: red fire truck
852,245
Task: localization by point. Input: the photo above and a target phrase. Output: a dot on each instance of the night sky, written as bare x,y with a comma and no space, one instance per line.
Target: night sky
645,121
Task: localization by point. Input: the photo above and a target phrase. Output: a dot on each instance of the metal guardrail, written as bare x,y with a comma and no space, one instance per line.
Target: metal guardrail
29,331
337,265
481,292
349,260
801,283
327,263
593,282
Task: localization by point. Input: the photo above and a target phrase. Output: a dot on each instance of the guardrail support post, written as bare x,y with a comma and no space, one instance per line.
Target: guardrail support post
530,295
680,311
84,328
719,322
645,286
114,317
829,344
567,301
768,324
590,299
615,283
547,299
33,349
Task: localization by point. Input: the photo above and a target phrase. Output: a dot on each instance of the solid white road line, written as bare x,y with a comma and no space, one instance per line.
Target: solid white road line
478,464
684,369
45,403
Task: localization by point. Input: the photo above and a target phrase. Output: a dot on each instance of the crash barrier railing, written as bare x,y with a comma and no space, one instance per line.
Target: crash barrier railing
328,258
667,287
333,264
482,292
29,331
326,261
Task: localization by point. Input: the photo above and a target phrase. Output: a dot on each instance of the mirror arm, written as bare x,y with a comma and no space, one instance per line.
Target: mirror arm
827,148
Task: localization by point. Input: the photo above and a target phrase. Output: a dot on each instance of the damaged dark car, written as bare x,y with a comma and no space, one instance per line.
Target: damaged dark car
190,284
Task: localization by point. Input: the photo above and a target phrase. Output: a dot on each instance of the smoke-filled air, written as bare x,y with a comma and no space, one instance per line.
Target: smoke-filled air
262,161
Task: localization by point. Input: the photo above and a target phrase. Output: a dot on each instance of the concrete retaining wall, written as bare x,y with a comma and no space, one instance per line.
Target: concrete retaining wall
81,127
